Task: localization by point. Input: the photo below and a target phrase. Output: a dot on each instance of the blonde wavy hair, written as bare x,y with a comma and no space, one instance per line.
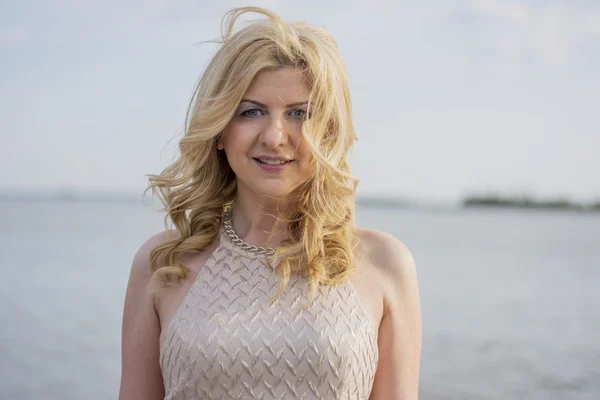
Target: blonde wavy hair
197,186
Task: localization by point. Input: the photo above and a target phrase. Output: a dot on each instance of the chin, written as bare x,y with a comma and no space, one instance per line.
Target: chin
270,190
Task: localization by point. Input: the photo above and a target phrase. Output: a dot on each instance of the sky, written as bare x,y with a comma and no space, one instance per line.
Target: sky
450,98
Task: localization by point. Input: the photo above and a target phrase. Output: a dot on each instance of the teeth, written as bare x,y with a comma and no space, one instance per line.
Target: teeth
271,162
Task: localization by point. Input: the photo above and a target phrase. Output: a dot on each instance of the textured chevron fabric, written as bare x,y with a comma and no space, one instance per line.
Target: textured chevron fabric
228,340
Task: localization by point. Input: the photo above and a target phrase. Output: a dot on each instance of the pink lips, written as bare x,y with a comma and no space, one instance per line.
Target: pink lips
272,167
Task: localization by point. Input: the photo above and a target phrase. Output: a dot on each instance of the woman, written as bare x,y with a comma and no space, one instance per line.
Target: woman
266,289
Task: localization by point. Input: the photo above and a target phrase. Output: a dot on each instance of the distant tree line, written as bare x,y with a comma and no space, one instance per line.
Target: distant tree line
527,202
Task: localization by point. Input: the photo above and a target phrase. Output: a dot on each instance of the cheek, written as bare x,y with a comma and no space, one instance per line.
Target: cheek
235,138
304,153
306,165
302,150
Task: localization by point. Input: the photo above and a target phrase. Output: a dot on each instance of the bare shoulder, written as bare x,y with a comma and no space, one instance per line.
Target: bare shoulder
141,376
399,341
387,254
140,268
139,287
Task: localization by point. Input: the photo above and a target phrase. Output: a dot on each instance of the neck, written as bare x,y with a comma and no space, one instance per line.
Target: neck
254,222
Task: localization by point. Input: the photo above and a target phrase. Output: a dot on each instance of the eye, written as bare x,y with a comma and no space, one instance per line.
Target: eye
299,113
252,113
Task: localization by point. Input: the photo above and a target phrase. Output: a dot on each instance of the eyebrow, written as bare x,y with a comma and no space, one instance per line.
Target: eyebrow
258,103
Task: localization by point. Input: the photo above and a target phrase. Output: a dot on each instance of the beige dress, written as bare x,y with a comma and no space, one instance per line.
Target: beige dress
227,340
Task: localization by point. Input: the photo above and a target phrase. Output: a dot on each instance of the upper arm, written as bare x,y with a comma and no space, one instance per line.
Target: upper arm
141,376
400,331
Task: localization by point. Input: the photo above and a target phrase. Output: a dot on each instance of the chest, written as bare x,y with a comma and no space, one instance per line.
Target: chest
228,332
235,307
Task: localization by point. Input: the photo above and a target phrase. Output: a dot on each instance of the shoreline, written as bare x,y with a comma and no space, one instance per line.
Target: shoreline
363,201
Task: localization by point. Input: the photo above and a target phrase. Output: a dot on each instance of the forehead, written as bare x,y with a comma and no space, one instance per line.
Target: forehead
279,85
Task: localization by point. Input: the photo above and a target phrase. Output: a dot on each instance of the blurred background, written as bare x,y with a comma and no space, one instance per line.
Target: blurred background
478,147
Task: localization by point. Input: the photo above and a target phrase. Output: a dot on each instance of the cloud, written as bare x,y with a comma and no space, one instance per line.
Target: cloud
13,36
591,25
551,33
511,12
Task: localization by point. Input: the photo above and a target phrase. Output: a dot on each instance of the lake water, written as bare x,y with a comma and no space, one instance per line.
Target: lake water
510,299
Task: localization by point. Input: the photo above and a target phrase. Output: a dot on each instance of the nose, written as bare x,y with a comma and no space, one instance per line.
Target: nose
274,134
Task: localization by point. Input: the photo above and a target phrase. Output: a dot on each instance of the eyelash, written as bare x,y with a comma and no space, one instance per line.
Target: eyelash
245,114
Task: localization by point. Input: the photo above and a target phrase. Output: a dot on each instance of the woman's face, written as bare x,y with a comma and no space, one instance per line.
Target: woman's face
263,142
